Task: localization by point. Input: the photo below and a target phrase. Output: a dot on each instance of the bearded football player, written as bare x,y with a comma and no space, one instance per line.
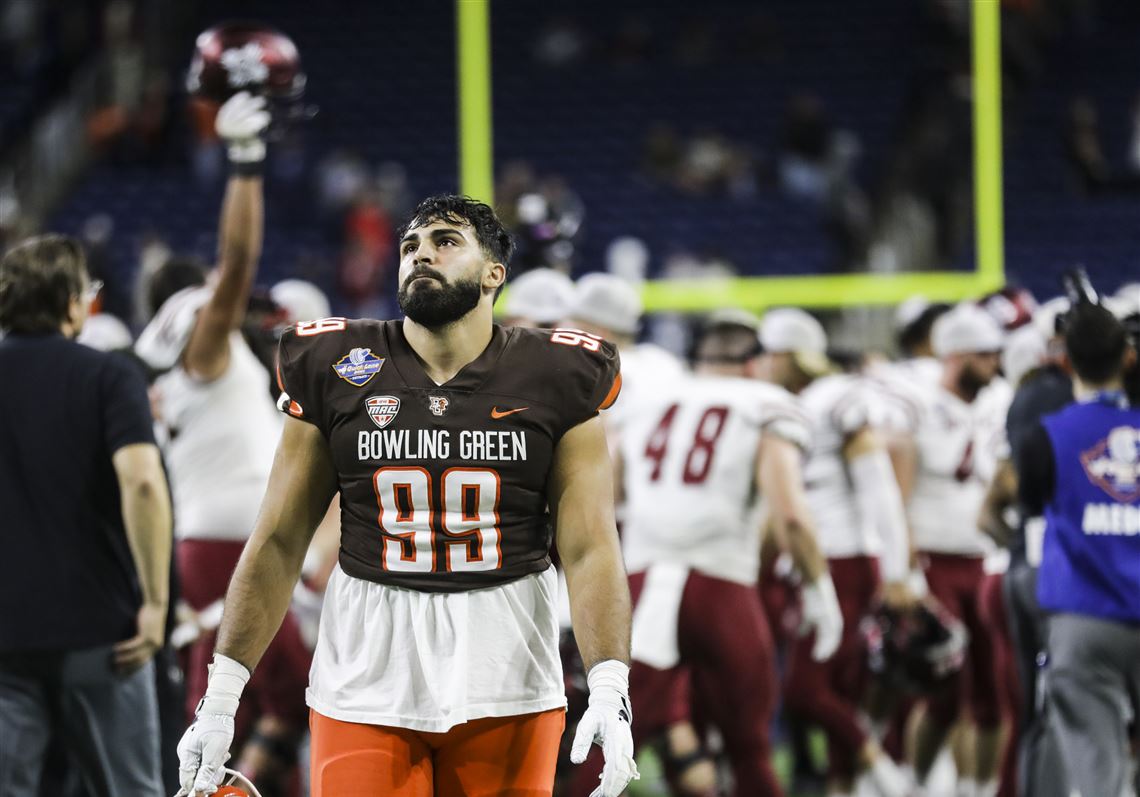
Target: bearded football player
456,446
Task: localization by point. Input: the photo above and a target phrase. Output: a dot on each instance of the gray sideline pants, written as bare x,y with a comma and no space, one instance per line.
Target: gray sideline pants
108,723
1041,773
1093,685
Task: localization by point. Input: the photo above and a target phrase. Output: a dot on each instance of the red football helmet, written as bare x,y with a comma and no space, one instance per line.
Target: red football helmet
245,56
234,784
1012,307
917,648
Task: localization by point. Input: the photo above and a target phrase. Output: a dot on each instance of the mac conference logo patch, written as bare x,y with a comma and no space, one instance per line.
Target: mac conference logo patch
358,366
382,409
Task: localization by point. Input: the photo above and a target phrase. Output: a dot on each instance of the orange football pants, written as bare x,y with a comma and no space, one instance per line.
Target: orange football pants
507,756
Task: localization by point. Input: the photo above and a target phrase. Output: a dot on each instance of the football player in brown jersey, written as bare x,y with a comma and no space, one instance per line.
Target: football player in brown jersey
460,449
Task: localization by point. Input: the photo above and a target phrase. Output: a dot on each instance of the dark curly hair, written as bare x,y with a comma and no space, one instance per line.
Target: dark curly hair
38,279
494,239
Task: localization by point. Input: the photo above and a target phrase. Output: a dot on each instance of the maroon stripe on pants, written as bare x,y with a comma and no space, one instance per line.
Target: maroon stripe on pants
728,664
956,581
1005,678
277,687
827,693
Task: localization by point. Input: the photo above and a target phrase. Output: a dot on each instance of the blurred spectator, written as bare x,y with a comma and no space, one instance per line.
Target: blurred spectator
561,42
661,153
20,31
628,257
704,163
131,101
96,234
154,253
341,176
806,148
1082,143
707,163
392,190
1095,173
207,157
368,256
544,215
817,162
517,178
686,265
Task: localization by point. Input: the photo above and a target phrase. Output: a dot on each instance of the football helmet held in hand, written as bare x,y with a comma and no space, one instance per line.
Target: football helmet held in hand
917,647
245,56
235,784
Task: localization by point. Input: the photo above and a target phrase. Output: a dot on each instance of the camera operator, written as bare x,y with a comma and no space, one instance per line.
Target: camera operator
1081,469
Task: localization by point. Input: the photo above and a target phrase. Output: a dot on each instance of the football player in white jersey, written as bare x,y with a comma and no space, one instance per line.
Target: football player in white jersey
861,526
213,400
696,462
607,305
957,435
611,307
540,297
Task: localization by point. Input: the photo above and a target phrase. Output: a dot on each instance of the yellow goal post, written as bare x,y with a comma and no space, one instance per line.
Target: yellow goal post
826,291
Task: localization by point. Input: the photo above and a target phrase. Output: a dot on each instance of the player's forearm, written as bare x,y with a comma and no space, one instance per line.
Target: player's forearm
999,497
147,520
803,548
879,500
257,598
240,239
904,462
599,604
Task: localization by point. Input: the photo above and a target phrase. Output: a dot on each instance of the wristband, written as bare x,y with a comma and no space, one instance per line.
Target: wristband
247,168
611,674
226,681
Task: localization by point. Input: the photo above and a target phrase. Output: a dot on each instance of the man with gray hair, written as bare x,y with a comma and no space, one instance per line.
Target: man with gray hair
85,577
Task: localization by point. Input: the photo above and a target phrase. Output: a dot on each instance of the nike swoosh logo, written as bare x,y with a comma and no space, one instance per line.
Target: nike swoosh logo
496,414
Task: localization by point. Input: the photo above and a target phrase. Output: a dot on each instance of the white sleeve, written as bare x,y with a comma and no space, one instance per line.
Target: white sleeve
878,497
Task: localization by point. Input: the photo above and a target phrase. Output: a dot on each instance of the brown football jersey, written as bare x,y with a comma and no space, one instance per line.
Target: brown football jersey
443,487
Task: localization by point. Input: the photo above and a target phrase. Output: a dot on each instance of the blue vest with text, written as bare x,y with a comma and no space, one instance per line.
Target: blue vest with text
1091,560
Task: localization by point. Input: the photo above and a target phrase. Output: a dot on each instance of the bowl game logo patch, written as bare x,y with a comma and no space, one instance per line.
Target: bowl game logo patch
382,409
358,366
1113,464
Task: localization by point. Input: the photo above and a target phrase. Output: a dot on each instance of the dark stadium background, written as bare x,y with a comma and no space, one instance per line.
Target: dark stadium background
611,109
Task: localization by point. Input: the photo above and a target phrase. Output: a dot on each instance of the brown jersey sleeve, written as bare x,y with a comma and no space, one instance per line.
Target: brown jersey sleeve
303,356
588,375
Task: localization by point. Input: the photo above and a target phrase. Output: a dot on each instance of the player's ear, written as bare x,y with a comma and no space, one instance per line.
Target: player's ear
494,276
1129,358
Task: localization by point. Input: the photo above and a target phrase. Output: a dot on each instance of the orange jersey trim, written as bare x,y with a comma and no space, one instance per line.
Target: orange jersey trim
612,396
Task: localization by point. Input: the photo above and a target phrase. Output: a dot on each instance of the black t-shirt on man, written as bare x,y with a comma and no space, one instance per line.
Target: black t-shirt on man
67,580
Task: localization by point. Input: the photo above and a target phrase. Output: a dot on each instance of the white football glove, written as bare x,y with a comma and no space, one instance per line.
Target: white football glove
241,122
607,723
205,747
822,614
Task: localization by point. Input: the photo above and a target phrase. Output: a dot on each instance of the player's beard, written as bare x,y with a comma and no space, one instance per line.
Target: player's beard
971,381
441,305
